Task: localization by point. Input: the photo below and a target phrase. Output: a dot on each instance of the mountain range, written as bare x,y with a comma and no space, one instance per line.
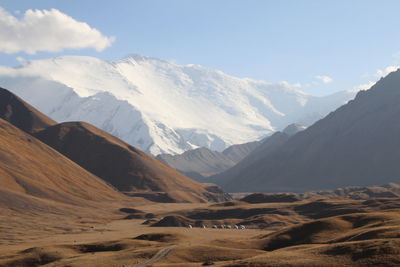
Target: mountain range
201,163
159,106
355,145
73,194
62,161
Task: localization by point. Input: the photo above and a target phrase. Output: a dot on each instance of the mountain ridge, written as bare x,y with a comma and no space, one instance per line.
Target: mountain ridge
19,113
162,107
94,153
354,145
128,169
31,169
202,162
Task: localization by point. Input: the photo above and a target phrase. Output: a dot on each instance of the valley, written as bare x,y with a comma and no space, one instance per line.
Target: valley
321,230
223,133
74,195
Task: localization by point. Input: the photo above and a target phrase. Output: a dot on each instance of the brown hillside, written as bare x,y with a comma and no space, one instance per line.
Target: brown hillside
345,228
30,168
21,114
125,167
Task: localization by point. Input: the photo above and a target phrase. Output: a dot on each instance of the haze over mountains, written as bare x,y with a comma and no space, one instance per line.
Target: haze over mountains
162,107
355,145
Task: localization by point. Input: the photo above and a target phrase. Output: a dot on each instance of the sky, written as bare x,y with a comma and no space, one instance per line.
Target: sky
319,46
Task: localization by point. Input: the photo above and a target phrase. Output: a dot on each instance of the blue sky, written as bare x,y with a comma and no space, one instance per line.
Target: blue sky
293,41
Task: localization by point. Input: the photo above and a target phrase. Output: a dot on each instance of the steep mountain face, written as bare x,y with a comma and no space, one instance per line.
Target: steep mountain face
355,145
123,166
30,171
19,113
264,147
203,162
238,152
163,107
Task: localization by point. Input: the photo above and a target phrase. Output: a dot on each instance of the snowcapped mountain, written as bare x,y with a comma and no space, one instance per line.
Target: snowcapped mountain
163,107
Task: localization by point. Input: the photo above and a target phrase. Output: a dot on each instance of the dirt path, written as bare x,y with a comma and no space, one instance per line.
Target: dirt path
158,256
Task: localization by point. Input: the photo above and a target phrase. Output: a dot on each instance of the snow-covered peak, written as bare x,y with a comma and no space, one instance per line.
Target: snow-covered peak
160,106
139,58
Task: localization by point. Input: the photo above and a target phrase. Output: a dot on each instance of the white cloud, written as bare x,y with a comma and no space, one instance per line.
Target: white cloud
378,74
386,71
324,78
47,30
21,60
364,86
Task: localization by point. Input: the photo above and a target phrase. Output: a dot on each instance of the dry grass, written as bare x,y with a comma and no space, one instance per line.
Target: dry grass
29,168
127,168
354,239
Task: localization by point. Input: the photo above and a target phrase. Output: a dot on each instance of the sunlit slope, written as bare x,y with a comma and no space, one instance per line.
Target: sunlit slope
127,168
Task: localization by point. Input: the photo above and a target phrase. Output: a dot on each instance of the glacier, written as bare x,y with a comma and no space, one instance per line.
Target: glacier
163,107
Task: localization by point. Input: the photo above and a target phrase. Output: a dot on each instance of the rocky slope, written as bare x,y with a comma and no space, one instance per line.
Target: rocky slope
355,145
265,147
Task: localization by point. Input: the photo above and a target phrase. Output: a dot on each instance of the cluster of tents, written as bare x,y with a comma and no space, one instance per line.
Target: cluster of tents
223,226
